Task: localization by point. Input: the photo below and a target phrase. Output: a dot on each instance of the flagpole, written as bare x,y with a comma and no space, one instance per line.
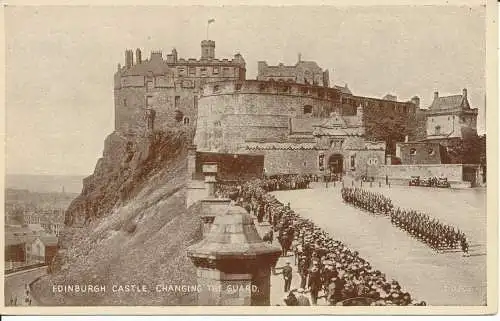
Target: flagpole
208,24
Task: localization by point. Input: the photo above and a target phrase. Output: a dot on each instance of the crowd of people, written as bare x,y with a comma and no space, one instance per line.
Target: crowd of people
287,182
428,230
325,266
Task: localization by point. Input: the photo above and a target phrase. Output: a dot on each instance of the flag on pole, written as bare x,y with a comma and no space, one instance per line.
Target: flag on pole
210,21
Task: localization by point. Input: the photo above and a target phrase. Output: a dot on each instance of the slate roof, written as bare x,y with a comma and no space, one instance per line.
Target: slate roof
449,102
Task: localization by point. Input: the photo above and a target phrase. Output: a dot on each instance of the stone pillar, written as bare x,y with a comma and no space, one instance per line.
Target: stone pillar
210,205
210,174
233,263
191,161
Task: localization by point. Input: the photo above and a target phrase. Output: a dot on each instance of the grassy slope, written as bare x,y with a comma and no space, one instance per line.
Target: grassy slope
142,242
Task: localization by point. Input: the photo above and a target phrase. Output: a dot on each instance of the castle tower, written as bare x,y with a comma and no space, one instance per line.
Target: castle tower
208,49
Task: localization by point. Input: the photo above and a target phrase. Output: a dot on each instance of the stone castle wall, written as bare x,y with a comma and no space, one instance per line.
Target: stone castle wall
170,87
454,172
233,112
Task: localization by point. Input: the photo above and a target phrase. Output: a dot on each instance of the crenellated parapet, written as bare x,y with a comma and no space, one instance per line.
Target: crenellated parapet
279,88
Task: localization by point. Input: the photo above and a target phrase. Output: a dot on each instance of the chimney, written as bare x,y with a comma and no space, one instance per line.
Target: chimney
464,92
138,57
129,58
436,95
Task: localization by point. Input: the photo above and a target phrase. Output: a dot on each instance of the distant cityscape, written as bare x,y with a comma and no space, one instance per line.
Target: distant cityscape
33,224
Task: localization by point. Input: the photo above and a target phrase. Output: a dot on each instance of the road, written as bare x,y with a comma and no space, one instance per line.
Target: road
15,285
439,279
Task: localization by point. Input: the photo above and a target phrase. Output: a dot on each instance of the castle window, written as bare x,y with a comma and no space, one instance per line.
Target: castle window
203,72
216,70
305,164
431,152
179,116
150,85
192,71
405,109
186,120
308,109
125,102
238,87
216,88
413,151
149,101
353,162
304,90
177,101
438,130
262,87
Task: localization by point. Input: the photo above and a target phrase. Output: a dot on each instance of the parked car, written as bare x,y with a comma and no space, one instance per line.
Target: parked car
414,181
443,182
426,181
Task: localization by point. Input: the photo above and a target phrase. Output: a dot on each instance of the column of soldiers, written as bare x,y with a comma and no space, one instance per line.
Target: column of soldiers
327,268
428,230
375,203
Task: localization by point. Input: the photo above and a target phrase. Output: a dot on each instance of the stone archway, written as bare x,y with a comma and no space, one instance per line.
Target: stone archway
336,163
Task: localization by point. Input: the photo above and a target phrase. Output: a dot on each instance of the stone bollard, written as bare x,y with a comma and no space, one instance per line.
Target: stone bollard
233,263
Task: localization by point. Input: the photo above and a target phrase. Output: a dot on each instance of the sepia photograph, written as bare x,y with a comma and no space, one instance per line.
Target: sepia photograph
319,157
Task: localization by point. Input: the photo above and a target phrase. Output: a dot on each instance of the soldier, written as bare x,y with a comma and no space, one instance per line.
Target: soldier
287,276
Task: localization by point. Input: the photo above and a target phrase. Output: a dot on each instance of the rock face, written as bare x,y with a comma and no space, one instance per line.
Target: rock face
127,163
129,226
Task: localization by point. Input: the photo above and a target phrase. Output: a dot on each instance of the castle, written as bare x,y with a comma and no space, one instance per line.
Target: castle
290,115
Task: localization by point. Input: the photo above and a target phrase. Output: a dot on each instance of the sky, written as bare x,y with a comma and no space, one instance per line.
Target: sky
60,62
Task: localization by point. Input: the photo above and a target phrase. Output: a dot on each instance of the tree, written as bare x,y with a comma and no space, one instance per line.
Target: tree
383,124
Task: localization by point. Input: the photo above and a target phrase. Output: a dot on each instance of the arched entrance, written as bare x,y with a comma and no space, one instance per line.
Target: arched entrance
335,164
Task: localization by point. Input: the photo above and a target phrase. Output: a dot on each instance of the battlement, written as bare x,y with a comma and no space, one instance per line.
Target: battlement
172,61
270,87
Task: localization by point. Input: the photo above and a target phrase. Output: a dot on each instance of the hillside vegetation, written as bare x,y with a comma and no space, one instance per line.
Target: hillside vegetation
129,226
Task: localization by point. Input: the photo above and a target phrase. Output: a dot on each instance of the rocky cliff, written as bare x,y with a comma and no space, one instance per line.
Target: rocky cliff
129,226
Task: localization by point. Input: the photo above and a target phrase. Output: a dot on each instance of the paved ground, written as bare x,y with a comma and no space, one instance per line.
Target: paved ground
15,286
439,279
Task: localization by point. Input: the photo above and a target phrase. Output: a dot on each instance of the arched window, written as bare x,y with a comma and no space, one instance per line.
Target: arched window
308,109
186,120
438,130
413,151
